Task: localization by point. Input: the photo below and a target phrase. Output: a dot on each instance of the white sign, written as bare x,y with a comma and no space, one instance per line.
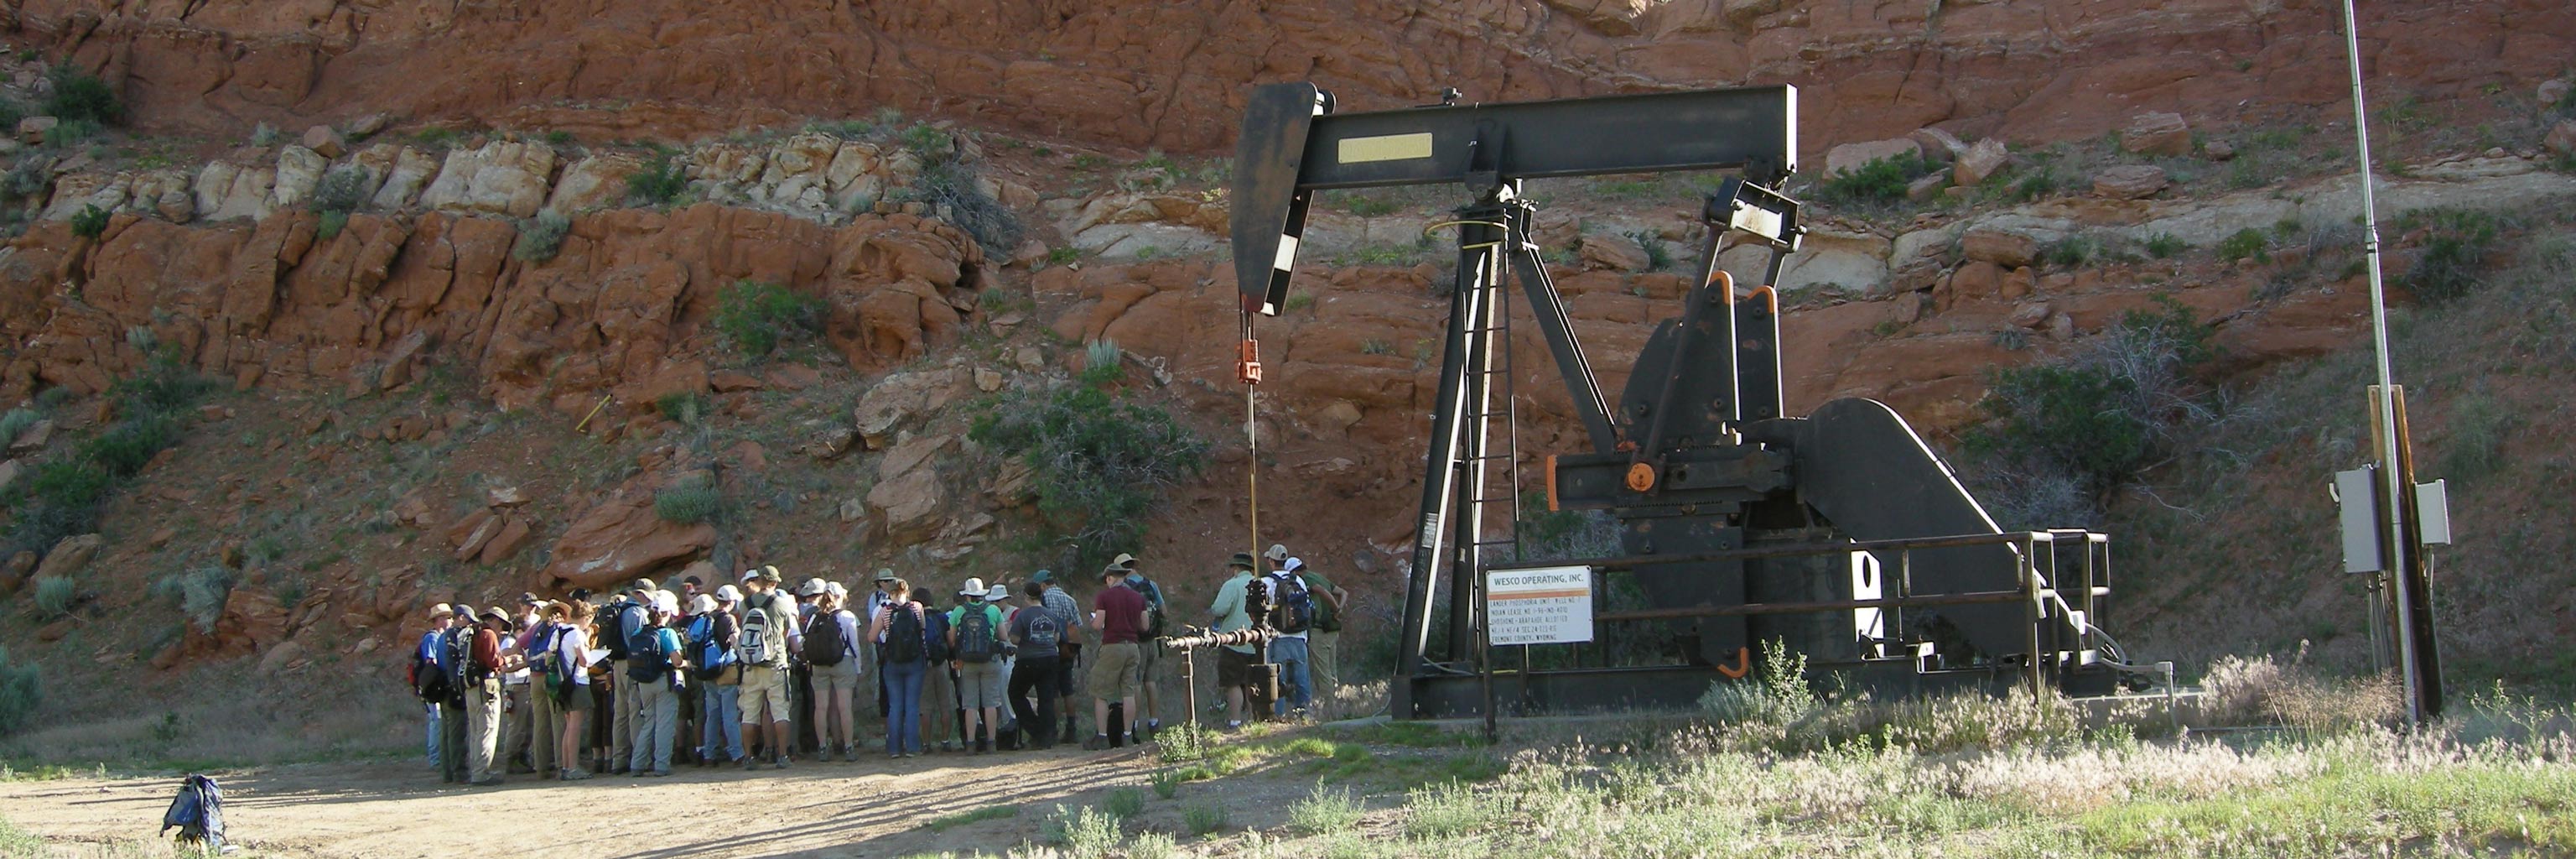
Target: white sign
1549,605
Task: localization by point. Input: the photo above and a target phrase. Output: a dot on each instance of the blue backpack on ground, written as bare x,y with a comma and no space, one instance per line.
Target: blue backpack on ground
198,814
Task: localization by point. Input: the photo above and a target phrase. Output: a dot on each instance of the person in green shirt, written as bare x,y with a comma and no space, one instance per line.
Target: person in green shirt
1324,641
975,652
1234,662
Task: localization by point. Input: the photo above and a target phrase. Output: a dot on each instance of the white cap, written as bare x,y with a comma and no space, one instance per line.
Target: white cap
729,593
1294,563
701,604
974,587
811,587
835,589
666,602
748,575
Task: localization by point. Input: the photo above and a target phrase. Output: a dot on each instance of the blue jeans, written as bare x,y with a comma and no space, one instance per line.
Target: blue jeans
722,713
903,713
433,735
1290,655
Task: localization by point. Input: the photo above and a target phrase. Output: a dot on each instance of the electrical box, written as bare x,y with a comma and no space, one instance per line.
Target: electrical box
2357,492
2433,505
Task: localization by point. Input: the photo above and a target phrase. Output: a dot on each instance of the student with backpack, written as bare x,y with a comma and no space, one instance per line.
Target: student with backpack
1148,656
1237,665
627,617
545,722
1069,653
712,638
518,708
832,656
1035,633
655,672
939,716
900,630
1119,614
1323,640
769,635
455,656
975,653
1292,614
427,682
483,668
569,672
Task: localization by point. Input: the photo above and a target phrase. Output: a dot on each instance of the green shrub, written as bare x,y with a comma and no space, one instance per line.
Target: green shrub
328,227
1324,811
90,222
2475,446
10,113
70,132
2454,254
929,141
1083,832
16,422
1103,362
129,445
1203,819
1167,783
342,190
949,187
2071,251
2109,409
79,95
689,503
1882,180
541,237
1778,697
1124,803
1659,256
1100,464
264,135
29,178
22,690
2248,243
200,594
658,182
2165,246
754,316
54,597
687,407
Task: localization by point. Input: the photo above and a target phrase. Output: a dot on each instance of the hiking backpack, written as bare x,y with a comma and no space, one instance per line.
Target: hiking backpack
1044,631
713,656
824,646
1296,605
1256,602
620,649
456,653
758,643
904,634
975,639
198,814
1153,604
427,680
646,661
934,635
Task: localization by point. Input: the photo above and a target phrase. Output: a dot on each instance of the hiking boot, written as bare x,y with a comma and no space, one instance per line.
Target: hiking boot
1096,743
652,773
575,775
782,761
750,763
486,781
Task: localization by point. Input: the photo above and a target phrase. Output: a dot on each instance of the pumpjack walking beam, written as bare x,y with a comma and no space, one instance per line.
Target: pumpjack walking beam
1293,144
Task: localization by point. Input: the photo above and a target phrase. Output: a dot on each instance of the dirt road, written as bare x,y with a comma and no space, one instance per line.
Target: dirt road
872,808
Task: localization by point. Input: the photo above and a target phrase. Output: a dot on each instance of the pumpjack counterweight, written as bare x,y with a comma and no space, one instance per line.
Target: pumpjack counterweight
1841,534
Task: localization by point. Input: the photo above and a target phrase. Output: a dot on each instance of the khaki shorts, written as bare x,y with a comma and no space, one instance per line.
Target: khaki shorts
764,684
1113,672
981,684
836,682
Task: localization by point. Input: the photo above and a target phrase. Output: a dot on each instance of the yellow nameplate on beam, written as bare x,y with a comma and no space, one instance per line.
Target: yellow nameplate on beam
1391,147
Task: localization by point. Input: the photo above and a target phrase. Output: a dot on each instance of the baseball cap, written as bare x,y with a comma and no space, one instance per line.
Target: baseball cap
748,575
666,602
645,586
529,599
770,573
1277,552
835,589
811,587
702,604
1294,563
1042,577
729,593
1241,559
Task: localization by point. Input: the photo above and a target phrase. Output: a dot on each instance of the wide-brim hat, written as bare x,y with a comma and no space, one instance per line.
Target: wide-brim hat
642,586
442,610
1124,561
1242,559
974,587
998,593
885,575
497,613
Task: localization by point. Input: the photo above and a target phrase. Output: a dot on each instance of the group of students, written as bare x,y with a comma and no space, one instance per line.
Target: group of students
751,673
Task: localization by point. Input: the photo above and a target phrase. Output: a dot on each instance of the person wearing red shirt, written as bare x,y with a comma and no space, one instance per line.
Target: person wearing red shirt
1119,613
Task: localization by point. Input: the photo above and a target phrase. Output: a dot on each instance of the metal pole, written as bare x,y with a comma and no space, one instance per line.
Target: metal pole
2386,416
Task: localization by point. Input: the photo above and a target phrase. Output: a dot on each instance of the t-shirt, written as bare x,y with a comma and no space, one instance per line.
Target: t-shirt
1228,608
1017,628
1318,590
992,613
1118,609
786,629
666,640
573,647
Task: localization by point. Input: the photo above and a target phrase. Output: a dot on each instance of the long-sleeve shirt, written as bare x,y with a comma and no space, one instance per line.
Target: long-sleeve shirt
1228,608
487,651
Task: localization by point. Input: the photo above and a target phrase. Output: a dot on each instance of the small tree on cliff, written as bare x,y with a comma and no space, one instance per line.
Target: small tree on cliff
1100,464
